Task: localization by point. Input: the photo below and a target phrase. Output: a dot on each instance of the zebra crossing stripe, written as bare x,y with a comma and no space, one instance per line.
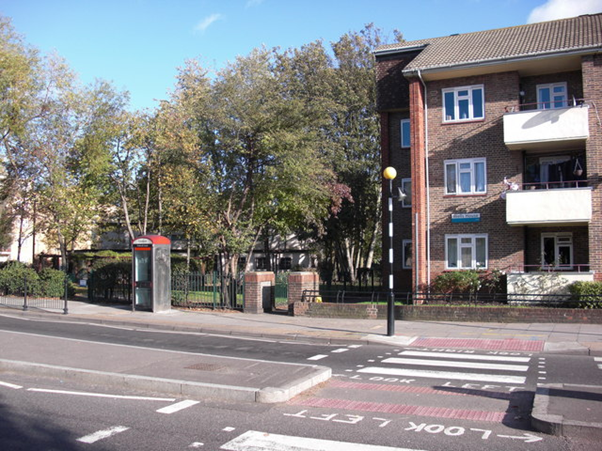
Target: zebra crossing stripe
263,441
500,358
447,364
444,375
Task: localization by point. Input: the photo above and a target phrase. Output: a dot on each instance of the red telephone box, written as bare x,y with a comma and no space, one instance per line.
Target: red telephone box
151,273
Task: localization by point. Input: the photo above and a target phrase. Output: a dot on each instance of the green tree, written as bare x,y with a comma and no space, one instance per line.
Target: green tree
258,152
352,236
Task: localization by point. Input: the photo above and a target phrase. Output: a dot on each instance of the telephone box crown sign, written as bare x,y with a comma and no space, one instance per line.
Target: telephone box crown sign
151,239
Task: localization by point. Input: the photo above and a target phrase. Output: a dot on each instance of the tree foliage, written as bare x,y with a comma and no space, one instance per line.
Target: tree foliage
275,143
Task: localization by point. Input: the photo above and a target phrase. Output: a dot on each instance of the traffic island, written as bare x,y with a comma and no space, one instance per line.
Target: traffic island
568,410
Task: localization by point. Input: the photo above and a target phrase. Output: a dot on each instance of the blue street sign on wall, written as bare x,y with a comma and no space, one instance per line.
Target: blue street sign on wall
466,217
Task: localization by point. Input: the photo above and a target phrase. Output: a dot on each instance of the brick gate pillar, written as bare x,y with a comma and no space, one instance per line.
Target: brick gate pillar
259,291
299,282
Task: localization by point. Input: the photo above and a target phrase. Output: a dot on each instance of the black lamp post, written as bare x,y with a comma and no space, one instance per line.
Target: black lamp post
390,173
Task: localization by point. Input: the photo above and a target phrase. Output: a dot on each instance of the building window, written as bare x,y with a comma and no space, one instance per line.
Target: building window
467,176
262,263
466,251
463,104
551,95
405,133
406,188
406,254
285,263
557,250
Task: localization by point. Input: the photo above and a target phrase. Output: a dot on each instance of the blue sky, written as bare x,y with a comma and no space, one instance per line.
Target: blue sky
139,44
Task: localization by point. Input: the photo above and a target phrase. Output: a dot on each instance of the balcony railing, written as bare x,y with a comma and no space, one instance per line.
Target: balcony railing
545,268
526,129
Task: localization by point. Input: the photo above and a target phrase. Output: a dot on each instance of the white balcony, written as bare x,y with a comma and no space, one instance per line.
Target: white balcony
546,129
562,206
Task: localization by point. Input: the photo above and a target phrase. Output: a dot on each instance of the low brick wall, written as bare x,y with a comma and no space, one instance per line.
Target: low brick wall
444,313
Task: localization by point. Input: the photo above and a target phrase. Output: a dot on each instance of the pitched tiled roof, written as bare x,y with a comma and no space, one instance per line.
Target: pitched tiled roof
538,39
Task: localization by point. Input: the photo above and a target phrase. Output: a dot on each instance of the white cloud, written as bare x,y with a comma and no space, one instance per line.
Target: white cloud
562,9
206,22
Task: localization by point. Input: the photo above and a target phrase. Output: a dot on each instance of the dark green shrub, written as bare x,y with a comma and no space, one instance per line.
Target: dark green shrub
16,278
53,283
110,279
457,282
586,294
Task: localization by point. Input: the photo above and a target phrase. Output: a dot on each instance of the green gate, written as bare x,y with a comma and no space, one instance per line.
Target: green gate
207,291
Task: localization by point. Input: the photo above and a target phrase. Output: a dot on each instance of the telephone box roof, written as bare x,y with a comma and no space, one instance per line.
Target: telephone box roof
154,239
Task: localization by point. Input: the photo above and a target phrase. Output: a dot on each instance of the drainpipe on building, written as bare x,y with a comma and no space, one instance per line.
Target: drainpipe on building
428,194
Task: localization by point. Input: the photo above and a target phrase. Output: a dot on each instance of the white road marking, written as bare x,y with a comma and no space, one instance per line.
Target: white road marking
177,406
317,357
262,441
99,395
475,365
228,429
196,445
444,375
9,385
440,355
355,346
99,435
338,351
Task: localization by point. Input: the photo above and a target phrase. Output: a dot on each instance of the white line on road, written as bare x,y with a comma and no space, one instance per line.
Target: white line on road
262,441
444,375
338,351
475,365
178,406
440,355
99,395
99,435
317,357
9,385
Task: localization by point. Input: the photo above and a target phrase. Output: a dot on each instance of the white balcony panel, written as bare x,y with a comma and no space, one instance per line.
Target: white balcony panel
568,206
533,129
542,283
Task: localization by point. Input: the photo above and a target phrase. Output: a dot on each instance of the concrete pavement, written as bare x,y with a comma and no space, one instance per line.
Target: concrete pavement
557,410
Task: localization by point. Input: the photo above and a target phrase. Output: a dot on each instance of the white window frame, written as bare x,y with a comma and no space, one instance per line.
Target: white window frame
554,102
404,254
472,245
459,97
561,239
462,167
405,140
406,187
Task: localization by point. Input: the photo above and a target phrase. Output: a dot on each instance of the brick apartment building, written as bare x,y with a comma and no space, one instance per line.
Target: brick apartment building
496,137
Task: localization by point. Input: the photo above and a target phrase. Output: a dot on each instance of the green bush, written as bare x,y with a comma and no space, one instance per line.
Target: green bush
586,294
457,282
16,276
53,283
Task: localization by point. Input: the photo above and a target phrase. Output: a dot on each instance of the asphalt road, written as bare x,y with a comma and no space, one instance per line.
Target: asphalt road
384,396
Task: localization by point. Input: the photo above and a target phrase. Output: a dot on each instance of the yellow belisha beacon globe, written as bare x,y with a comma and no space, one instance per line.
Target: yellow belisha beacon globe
389,173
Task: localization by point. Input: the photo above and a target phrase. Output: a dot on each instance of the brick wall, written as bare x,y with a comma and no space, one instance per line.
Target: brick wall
392,86
484,138
443,313
298,282
256,284
592,92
